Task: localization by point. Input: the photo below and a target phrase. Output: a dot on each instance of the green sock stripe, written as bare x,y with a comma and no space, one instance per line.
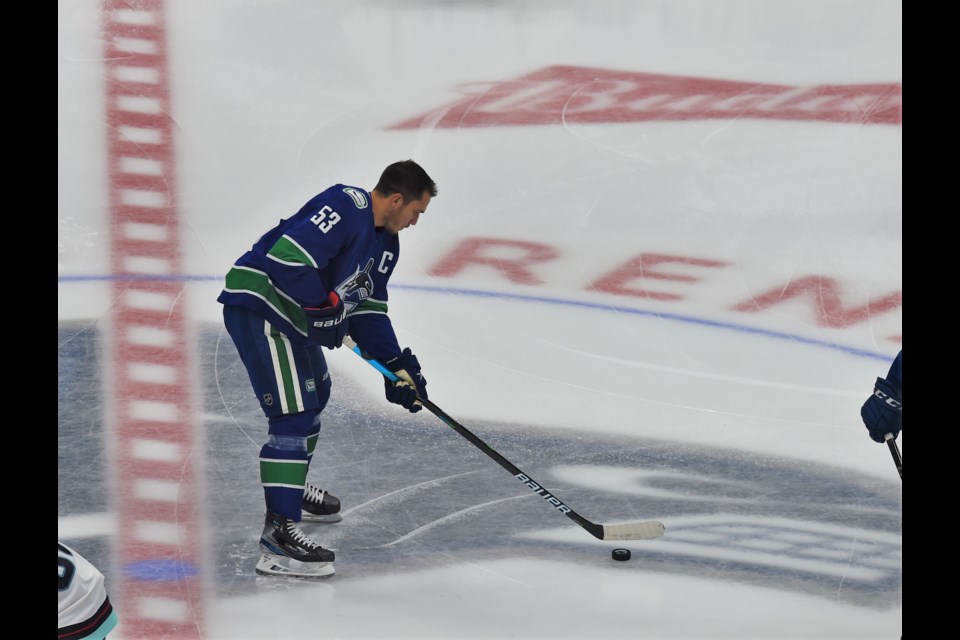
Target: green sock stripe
287,473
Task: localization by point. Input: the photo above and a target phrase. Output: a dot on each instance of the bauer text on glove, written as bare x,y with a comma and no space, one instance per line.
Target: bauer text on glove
328,324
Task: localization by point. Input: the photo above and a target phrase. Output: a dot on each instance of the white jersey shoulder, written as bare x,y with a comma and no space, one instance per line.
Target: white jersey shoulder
82,593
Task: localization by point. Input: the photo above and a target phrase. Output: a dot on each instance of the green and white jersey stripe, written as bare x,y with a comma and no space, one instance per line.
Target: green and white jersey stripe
289,252
256,283
370,305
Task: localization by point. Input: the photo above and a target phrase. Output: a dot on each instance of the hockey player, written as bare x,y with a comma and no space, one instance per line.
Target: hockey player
83,608
882,412
306,284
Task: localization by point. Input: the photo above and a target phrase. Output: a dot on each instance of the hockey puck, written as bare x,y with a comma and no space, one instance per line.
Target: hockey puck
621,554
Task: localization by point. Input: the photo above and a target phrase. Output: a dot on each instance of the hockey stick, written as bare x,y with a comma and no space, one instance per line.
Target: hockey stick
645,530
895,452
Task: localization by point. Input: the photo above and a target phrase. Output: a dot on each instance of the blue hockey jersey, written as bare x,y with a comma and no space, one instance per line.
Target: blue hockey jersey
331,244
895,374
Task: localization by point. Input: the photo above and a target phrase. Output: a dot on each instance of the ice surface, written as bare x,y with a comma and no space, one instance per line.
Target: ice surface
673,318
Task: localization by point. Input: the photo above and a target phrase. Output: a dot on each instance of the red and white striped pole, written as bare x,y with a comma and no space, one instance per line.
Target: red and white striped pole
149,392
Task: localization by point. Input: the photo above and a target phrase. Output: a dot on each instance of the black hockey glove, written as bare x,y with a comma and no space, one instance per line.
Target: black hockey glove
328,324
410,387
882,413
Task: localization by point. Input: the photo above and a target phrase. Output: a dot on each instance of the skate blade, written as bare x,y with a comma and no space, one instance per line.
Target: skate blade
321,519
274,565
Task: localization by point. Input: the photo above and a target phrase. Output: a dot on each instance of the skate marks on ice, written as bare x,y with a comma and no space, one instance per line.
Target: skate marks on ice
787,526
417,496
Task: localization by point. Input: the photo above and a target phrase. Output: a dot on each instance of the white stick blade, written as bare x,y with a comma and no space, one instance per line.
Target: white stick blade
634,531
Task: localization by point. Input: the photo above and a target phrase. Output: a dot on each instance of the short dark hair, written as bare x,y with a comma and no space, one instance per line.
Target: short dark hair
406,178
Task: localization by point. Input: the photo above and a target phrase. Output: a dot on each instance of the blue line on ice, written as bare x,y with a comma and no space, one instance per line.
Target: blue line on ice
729,326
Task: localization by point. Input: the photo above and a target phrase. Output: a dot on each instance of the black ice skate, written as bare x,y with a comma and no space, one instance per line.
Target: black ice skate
287,551
319,506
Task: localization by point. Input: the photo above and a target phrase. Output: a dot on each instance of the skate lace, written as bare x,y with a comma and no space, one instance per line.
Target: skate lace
294,532
314,494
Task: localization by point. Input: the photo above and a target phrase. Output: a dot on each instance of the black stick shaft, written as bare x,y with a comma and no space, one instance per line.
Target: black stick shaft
594,529
895,452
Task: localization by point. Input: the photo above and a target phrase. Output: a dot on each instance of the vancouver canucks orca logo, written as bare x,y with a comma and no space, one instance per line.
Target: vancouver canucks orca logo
357,288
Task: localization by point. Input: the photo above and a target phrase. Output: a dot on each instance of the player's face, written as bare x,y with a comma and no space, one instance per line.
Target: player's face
405,213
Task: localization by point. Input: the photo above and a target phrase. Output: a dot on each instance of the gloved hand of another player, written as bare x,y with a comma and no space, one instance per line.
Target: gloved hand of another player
882,413
328,324
411,384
